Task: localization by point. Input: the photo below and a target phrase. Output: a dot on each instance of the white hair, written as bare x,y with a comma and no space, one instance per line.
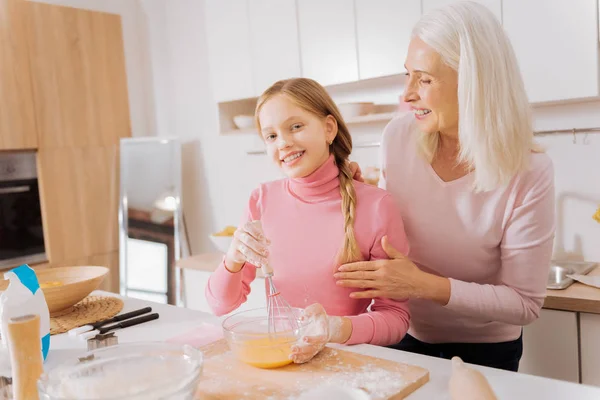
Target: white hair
495,129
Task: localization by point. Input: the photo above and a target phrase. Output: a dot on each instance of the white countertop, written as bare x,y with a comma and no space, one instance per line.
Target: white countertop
174,321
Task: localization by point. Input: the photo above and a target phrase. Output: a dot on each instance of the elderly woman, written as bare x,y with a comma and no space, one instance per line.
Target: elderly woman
476,195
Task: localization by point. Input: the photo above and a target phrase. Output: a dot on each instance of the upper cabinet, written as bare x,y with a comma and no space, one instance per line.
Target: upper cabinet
229,50
383,30
275,52
494,5
253,43
78,75
556,45
328,40
17,122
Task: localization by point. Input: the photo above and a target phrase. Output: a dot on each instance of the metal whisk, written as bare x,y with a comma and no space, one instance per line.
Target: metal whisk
282,316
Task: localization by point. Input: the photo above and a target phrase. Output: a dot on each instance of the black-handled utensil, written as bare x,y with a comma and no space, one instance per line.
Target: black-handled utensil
120,317
120,325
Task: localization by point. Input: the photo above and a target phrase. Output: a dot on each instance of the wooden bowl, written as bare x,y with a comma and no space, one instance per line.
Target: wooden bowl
75,284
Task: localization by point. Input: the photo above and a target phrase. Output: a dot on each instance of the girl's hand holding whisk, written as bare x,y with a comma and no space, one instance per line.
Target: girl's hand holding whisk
249,244
322,329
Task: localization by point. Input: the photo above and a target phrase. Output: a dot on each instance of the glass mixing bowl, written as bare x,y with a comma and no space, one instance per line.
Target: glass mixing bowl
127,371
247,333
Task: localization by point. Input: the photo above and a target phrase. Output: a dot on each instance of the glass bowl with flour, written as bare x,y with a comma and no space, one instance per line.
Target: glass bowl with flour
132,371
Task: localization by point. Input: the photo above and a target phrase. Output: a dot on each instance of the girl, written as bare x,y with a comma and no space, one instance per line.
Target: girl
307,225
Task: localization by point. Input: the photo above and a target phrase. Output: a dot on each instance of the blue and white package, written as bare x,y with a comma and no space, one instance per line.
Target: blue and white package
23,297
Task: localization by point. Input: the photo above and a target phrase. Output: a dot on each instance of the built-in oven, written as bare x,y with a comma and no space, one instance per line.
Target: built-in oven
21,228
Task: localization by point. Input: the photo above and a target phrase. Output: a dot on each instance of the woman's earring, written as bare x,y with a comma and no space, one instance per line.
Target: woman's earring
330,142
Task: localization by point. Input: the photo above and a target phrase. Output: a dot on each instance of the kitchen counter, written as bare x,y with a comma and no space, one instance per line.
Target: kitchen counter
577,297
175,321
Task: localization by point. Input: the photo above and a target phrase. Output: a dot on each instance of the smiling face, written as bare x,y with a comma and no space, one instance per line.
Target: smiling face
431,90
296,140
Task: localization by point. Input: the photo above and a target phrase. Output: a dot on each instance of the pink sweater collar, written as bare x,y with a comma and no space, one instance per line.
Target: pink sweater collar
320,185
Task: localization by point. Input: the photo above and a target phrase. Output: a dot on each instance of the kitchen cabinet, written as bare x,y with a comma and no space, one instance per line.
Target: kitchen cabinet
557,47
383,29
328,41
79,197
17,122
275,52
229,54
551,346
195,282
78,76
590,348
494,5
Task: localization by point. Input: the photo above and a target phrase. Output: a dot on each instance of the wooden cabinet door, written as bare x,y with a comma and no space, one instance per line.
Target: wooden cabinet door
590,349
328,41
17,122
78,76
79,195
556,43
383,30
229,57
275,52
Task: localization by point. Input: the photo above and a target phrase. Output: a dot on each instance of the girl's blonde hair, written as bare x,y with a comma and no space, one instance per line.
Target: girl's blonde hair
495,128
312,97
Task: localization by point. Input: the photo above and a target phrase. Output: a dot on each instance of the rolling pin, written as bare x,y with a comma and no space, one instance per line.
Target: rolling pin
25,355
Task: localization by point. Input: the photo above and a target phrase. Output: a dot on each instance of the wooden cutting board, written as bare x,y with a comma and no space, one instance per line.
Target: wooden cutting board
224,377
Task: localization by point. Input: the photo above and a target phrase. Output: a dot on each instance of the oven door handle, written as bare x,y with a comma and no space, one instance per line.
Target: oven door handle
15,189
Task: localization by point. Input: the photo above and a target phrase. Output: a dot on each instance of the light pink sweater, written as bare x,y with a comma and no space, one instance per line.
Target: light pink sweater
303,220
495,246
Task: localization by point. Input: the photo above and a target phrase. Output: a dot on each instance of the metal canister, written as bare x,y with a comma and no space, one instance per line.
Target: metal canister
102,340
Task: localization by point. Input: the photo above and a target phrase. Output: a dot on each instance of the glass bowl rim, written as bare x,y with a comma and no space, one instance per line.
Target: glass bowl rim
228,325
157,346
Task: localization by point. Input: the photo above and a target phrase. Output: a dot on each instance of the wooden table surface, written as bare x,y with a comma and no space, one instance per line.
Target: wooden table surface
577,297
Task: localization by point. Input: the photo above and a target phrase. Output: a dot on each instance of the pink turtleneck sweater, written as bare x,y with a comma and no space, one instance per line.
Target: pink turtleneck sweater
303,219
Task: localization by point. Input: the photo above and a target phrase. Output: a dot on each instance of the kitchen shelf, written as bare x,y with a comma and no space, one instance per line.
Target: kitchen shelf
363,119
355,146
383,91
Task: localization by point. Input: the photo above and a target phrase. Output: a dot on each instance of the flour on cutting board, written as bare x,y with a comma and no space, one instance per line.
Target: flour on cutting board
327,369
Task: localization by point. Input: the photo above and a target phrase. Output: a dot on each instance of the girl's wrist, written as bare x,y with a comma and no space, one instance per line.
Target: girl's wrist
232,266
340,329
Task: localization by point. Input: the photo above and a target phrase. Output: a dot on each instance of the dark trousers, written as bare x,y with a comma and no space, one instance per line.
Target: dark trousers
504,355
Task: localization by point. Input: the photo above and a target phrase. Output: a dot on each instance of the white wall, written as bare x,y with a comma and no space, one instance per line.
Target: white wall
577,177
217,174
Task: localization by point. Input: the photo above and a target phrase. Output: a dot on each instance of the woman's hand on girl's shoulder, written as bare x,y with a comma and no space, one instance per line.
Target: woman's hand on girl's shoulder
397,278
356,172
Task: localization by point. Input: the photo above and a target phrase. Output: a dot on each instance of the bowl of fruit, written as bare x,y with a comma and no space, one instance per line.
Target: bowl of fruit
222,239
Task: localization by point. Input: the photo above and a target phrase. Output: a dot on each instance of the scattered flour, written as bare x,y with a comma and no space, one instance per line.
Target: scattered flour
325,370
